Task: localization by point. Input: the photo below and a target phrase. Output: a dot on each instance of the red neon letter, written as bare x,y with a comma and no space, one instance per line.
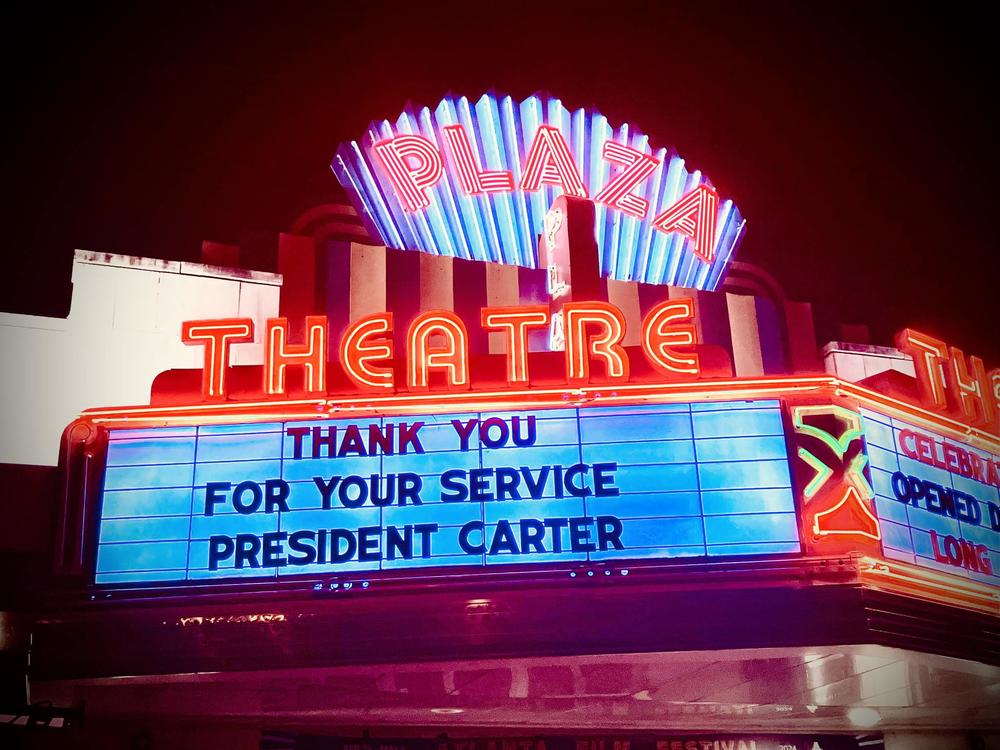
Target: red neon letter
993,385
452,357
618,192
928,355
605,345
549,160
693,216
660,333
907,441
514,322
971,392
474,180
983,556
216,336
279,354
410,182
938,555
363,343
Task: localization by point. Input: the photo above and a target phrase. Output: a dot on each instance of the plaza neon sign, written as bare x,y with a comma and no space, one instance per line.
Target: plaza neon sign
475,179
413,164
437,347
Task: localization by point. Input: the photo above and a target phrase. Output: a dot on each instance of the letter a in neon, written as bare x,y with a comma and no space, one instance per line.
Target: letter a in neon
693,216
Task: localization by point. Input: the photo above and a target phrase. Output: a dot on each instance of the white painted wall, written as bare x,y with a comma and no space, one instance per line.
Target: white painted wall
123,330
854,362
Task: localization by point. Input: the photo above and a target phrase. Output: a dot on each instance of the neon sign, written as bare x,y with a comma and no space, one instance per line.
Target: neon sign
437,348
549,160
841,482
937,498
949,382
445,489
836,493
475,181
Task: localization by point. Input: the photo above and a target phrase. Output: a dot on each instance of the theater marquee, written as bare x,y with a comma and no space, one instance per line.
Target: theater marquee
446,490
596,460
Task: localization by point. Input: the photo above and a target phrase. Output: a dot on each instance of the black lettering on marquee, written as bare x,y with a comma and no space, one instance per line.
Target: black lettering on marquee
503,539
609,532
453,490
219,548
297,434
464,431
326,490
507,481
522,441
526,536
532,531
408,437
944,501
214,496
463,538
307,552
425,530
535,487
247,551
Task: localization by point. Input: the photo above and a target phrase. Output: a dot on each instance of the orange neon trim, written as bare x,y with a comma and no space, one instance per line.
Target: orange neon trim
728,389
514,323
279,354
911,580
605,345
267,410
662,331
422,356
363,342
929,354
216,336
919,416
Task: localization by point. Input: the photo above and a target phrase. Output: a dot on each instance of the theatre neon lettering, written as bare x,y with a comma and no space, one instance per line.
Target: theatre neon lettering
950,383
437,347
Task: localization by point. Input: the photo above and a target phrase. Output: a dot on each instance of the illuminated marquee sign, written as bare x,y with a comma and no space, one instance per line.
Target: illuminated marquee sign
480,490
938,499
586,465
475,181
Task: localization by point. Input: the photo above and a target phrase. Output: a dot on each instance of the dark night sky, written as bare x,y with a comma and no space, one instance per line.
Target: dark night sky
857,141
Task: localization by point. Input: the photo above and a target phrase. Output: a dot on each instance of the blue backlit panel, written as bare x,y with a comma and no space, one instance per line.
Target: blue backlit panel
479,490
935,505
503,227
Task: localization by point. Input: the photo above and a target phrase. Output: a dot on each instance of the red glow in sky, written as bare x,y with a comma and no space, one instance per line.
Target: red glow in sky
857,142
